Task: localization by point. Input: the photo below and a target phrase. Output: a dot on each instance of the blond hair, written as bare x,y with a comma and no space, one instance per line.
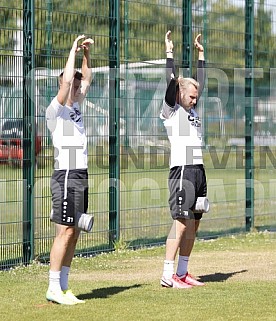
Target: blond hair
184,83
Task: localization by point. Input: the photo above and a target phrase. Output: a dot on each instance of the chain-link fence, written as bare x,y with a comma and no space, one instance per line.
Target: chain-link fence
128,148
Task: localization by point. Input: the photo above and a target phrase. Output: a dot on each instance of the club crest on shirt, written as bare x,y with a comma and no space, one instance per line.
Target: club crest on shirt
75,115
194,119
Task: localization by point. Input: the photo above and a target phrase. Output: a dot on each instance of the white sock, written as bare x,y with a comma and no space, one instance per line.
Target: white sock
168,269
54,281
182,267
64,277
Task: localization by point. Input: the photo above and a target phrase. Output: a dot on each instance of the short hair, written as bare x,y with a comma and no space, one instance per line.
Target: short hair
184,83
77,75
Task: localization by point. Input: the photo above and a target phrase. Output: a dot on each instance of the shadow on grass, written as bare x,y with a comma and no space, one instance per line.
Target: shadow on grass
104,293
218,277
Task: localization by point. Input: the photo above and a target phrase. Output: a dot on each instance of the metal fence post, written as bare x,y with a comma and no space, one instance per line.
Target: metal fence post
249,114
28,131
126,58
49,34
114,121
205,90
187,38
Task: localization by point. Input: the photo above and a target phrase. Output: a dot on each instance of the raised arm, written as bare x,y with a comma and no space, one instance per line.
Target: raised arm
200,75
199,47
68,73
85,69
170,97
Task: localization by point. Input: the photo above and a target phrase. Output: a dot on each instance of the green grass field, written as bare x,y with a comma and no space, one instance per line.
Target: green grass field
239,272
144,212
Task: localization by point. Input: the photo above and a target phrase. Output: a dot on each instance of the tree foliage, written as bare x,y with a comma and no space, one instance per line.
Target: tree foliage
142,28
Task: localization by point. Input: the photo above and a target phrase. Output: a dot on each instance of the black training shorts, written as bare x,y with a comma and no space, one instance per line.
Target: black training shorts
193,186
69,195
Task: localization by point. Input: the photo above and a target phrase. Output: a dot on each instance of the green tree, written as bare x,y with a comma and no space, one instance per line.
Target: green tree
142,28
11,12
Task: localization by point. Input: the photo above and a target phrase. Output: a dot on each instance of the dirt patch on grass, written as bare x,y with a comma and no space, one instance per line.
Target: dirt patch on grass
213,266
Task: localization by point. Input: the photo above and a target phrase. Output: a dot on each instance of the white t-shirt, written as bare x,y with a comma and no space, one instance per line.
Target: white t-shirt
184,133
69,139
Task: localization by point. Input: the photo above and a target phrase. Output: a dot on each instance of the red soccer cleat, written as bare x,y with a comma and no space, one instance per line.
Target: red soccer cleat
174,282
188,279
